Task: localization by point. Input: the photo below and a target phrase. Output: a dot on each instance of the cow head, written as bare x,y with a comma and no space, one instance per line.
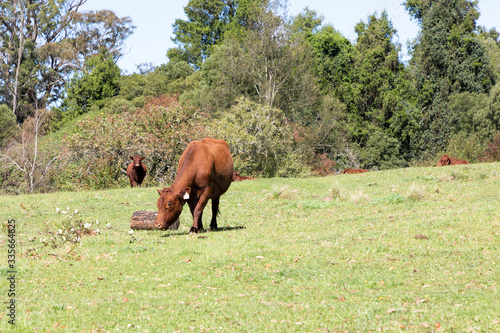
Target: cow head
445,160
236,176
170,205
137,160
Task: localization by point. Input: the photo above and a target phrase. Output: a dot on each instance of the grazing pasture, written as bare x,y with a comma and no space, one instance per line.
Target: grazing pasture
413,249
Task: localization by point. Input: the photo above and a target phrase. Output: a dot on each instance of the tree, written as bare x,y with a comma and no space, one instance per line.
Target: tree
376,76
97,82
43,42
447,58
307,22
365,76
25,154
490,41
8,125
334,60
269,65
207,22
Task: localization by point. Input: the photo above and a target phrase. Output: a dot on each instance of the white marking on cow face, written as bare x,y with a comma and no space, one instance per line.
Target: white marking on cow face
186,196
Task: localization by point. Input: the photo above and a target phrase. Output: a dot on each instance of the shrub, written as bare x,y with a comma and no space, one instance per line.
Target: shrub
96,153
260,140
324,165
464,145
382,151
8,125
492,153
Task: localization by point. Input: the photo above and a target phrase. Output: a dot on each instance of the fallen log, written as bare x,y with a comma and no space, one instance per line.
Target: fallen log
145,219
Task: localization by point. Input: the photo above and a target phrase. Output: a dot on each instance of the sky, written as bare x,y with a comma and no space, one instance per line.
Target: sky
154,19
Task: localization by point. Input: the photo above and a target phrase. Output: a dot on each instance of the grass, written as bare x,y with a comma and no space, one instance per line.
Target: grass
413,249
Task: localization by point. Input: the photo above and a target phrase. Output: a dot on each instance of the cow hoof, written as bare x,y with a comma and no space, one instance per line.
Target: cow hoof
193,230
214,228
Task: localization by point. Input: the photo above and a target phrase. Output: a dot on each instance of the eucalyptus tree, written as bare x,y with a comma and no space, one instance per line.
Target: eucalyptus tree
268,64
206,24
43,42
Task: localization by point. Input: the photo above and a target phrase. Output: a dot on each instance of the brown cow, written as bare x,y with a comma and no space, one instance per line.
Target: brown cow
354,170
136,170
205,172
238,178
446,160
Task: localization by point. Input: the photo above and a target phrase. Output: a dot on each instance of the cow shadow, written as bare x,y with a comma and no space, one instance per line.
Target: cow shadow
203,232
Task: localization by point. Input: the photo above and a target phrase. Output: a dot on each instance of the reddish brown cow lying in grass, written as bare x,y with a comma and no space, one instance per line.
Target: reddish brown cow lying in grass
136,171
238,178
354,170
205,172
446,160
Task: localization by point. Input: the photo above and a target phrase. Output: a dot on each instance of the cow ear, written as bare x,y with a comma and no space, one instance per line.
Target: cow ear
159,192
185,194
131,158
142,158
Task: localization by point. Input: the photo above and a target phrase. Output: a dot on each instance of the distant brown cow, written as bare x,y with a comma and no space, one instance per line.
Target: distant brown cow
136,170
354,170
446,160
238,178
205,172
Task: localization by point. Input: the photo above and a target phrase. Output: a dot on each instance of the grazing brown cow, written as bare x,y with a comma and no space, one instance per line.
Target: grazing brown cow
354,170
446,160
205,172
238,178
136,170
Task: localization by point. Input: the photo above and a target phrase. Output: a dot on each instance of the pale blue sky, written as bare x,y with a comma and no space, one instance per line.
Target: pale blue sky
154,19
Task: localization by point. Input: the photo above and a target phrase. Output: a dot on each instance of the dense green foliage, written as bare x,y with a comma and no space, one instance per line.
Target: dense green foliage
260,140
97,82
448,58
207,23
8,125
291,95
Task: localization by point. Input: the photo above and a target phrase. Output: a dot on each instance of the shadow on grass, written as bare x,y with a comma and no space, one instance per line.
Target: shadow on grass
204,231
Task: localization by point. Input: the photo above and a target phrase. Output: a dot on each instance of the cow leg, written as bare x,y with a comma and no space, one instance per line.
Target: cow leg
215,210
198,211
193,202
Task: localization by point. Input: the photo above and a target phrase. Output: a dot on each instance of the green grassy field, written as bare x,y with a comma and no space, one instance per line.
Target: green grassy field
414,249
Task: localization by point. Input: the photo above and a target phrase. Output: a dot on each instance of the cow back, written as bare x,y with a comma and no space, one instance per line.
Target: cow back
446,160
206,162
353,171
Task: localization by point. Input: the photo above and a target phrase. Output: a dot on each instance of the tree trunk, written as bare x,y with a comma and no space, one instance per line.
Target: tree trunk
145,219
18,67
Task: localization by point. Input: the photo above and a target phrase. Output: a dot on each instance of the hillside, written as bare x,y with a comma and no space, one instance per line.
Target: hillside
407,249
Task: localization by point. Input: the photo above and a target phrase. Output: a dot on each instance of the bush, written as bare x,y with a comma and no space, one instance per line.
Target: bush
96,153
468,146
118,104
261,141
492,153
382,151
8,125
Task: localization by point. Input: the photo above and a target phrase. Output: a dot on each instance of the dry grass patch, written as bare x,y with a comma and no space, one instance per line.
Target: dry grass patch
416,192
359,197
